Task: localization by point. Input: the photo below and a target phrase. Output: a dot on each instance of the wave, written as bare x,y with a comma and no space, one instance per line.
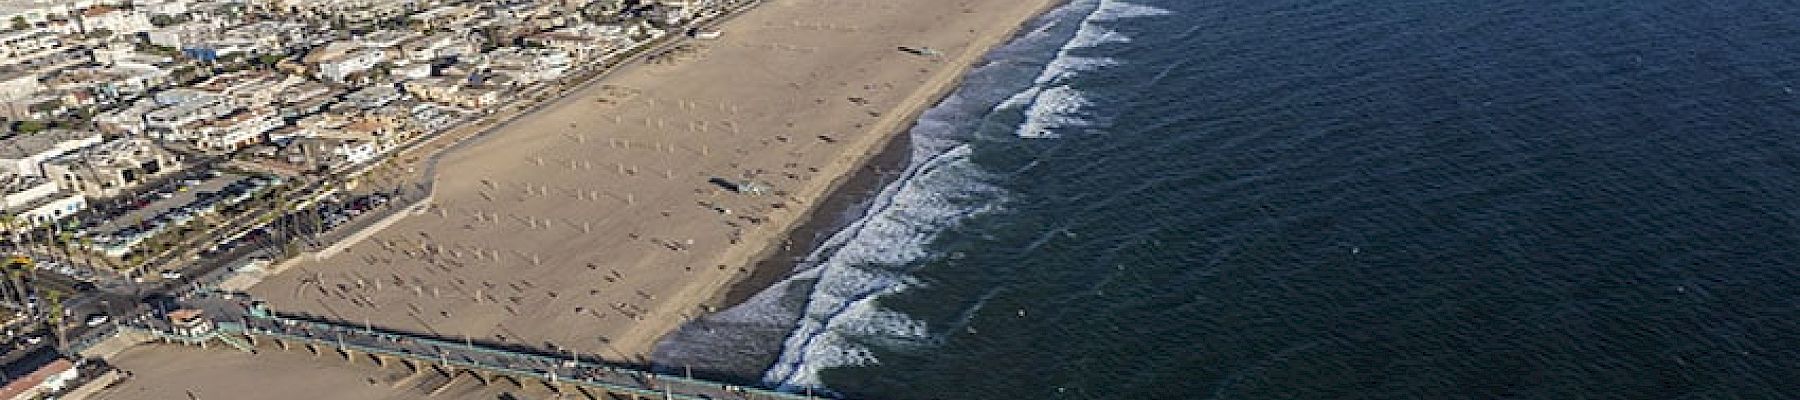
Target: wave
867,260
1051,105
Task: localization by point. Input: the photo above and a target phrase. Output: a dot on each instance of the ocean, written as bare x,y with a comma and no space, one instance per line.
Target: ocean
1300,199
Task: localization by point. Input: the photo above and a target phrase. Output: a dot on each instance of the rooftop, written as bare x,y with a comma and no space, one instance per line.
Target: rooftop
28,144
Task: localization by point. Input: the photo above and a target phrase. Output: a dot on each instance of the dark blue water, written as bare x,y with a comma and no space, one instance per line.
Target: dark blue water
1296,199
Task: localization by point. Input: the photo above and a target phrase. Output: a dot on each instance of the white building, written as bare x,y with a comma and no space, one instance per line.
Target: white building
34,201
25,154
49,378
235,131
336,69
115,20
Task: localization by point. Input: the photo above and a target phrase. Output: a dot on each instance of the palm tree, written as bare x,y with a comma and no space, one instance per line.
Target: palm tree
6,224
87,251
62,241
15,279
56,317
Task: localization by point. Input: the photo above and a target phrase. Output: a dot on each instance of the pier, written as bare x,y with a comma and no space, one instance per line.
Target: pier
569,375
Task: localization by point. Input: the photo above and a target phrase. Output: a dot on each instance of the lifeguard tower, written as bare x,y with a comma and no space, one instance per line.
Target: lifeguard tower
190,322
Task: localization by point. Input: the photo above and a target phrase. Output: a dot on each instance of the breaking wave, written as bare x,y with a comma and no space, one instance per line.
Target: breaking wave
1051,105
867,260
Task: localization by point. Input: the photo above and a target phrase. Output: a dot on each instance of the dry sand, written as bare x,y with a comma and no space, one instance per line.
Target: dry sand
591,224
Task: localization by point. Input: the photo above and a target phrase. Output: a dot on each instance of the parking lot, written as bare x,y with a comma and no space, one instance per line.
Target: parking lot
180,193
174,208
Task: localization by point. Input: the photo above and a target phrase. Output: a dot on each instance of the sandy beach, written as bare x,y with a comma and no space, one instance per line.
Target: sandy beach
595,224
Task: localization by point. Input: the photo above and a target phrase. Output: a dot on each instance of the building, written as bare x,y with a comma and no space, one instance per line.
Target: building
237,130
25,154
383,40
115,20
335,69
33,201
190,322
22,45
128,120
528,66
437,46
348,11
18,85
331,152
172,123
180,36
111,168
372,97
109,82
46,378
441,17
249,88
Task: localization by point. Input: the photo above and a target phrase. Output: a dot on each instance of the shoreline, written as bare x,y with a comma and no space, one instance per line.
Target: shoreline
854,193
880,136
818,224
851,191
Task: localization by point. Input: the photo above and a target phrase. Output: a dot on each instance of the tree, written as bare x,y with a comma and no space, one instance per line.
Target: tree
56,317
15,279
29,127
382,70
19,24
87,251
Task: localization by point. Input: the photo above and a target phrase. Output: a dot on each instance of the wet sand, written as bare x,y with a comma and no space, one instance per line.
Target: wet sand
838,209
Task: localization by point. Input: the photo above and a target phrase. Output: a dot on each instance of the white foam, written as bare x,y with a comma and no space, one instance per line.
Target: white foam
865,261
1055,108
1051,105
1118,10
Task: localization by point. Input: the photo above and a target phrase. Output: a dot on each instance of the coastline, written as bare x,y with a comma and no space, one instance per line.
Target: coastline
811,230
881,142
856,189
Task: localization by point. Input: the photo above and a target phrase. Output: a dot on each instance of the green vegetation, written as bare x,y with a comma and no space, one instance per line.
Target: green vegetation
29,126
